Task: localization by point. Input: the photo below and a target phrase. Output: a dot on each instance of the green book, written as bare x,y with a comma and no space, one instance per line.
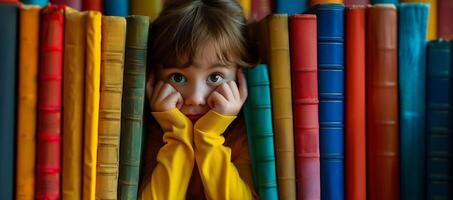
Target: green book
132,106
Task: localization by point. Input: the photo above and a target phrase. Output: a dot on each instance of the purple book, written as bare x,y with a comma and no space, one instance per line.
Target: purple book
77,4
356,2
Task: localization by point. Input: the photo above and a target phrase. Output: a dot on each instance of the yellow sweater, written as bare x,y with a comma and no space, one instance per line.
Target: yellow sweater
190,151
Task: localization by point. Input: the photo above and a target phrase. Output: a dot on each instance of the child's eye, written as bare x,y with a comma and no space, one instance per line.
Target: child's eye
178,78
215,78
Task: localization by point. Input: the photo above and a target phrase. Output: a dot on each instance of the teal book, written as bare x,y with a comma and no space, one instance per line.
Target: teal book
8,36
412,30
258,120
36,2
132,106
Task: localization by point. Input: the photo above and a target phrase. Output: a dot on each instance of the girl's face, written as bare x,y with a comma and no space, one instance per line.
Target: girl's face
198,81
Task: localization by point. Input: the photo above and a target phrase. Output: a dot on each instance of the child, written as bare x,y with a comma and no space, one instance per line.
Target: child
197,48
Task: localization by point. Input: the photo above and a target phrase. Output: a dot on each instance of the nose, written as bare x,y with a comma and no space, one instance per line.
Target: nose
196,95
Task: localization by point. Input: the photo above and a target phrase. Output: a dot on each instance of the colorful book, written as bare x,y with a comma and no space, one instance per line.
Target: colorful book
274,46
304,78
412,24
382,127
76,4
132,105
8,35
50,103
385,1
36,2
315,2
260,9
331,98
150,8
432,20
73,103
94,5
356,2
290,7
445,27
112,66
27,101
258,120
116,7
439,115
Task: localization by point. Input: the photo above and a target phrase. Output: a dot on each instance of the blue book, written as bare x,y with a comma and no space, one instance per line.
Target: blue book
36,2
258,120
412,21
116,7
8,36
439,118
331,98
290,7
385,1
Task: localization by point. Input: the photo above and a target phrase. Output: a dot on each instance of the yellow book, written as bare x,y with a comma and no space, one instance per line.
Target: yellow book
91,115
246,7
432,19
314,2
149,8
112,66
28,92
73,103
275,29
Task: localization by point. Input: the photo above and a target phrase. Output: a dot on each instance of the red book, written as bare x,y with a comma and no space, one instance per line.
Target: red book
382,146
49,103
445,15
261,8
93,5
355,103
304,77
9,1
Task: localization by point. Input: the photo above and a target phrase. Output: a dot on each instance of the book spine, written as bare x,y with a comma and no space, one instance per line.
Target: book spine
260,9
8,37
290,7
27,101
316,2
356,2
132,105
150,8
36,2
412,24
50,103
382,146
116,7
439,116
304,71
76,4
432,19
396,2
93,5
445,27
355,121
112,66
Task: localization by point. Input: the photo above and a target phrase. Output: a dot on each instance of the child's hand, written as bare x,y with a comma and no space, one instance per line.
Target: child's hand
228,99
164,97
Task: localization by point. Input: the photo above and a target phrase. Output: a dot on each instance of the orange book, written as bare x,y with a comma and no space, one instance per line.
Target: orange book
314,2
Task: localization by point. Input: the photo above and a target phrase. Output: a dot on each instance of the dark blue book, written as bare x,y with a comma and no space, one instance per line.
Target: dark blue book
439,116
412,22
331,98
8,36
290,7
384,1
36,2
116,7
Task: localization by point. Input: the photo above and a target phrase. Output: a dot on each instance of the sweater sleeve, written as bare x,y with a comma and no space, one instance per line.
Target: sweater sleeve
221,179
175,160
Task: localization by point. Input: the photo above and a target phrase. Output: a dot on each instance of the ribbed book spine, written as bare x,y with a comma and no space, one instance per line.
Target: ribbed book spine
50,103
27,102
445,27
290,7
132,105
432,19
8,35
94,5
116,7
260,9
258,119
355,121
412,24
73,103
36,2
385,1
150,8
382,131
439,129
112,66
77,4
304,77
331,98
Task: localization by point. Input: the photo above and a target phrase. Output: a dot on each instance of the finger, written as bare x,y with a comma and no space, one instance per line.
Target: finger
225,90
216,98
242,82
156,91
234,89
174,98
165,91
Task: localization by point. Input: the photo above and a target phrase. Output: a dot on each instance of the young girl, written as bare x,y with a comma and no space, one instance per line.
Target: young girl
196,90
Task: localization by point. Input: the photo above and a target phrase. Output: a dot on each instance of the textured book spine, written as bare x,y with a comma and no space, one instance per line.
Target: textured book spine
439,116
396,2
290,7
282,115
150,8
304,71
258,119
432,20
112,66
73,103
8,36
27,100
315,2
445,14
50,103
356,2
132,105
116,7
412,24
355,121
260,9
36,2
94,5
77,4
382,146
331,98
